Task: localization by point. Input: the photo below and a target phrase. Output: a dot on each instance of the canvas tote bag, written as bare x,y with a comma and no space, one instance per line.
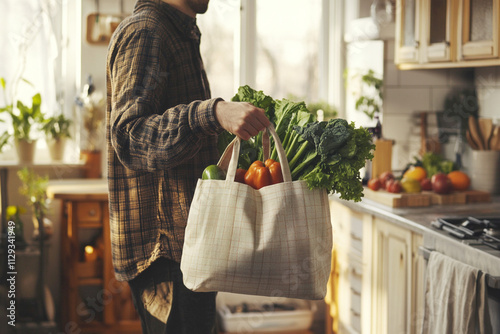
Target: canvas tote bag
275,241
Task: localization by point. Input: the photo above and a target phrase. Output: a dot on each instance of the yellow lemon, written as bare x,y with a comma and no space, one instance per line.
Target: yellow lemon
410,185
416,172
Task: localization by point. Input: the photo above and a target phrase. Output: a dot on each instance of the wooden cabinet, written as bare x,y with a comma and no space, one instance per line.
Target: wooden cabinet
447,33
408,32
397,279
380,275
438,33
479,36
92,300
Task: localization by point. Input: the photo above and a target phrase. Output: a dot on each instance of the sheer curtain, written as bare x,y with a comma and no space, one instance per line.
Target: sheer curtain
29,51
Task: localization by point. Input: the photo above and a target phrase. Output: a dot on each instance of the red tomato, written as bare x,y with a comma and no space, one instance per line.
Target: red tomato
374,184
240,175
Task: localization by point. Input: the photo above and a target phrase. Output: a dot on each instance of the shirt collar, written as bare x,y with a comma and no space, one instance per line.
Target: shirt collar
185,23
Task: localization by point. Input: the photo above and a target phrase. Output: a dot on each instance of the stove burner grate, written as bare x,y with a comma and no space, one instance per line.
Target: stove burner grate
485,230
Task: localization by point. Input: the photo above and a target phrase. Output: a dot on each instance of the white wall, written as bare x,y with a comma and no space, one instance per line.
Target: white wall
407,93
487,81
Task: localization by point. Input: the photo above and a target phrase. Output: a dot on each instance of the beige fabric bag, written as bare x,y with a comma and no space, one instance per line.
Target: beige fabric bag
275,241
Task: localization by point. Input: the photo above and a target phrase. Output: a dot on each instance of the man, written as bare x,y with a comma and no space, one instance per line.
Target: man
162,131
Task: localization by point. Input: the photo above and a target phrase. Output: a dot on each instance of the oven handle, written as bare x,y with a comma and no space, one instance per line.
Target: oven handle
493,281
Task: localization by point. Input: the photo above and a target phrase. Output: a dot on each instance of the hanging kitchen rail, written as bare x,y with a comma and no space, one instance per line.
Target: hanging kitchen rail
493,281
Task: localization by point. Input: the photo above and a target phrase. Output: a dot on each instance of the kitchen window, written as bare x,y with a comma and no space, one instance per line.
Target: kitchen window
280,47
283,47
29,52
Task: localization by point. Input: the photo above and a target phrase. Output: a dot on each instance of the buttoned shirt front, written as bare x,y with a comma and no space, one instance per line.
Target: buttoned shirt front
161,133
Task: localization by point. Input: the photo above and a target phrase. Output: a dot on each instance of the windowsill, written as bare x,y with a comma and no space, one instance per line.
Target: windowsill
42,164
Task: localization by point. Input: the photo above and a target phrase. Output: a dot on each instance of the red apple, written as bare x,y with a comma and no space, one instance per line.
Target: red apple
374,184
388,184
441,184
384,177
395,187
426,184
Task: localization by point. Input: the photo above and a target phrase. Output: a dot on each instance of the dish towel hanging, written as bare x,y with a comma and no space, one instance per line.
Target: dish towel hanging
455,298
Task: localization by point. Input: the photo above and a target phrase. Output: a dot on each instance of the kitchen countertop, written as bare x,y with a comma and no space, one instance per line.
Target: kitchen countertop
419,221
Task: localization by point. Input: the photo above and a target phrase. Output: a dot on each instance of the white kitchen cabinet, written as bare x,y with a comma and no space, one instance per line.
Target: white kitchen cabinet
380,275
397,279
438,33
408,31
447,33
351,228
479,36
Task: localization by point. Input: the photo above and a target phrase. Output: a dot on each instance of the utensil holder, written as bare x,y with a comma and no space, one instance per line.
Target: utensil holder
485,171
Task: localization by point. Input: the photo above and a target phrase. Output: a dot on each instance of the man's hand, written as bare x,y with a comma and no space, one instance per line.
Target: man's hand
241,118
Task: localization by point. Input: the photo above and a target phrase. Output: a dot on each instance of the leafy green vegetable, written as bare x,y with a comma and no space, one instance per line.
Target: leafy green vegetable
434,163
327,154
342,151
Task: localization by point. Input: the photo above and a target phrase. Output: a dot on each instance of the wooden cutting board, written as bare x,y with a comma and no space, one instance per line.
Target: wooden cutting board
477,196
401,200
447,199
459,197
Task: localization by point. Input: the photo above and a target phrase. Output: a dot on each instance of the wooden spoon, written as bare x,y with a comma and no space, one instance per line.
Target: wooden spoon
475,134
495,139
471,141
486,128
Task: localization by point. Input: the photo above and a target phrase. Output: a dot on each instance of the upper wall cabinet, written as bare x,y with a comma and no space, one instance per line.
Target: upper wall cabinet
407,31
478,35
447,33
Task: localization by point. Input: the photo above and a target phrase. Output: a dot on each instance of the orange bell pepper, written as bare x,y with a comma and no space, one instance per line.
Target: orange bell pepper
260,175
274,170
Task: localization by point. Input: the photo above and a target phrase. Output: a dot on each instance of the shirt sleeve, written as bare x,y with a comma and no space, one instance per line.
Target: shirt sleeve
144,139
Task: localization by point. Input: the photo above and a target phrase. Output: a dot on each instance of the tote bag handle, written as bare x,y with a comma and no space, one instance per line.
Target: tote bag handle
230,156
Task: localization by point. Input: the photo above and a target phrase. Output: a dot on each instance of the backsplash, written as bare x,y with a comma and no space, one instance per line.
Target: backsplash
409,92
487,81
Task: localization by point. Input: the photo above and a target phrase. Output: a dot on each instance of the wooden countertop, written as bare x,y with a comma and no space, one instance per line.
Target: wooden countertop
78,189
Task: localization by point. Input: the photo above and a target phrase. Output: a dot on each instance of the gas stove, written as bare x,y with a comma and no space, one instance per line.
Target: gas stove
473,230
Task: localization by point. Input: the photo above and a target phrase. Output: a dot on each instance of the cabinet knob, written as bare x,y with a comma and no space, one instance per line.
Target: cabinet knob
92,212
447,43
417,44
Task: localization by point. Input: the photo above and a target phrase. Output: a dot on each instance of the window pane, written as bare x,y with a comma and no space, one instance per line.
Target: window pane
218,26
409,23
288,33
438,21
481,20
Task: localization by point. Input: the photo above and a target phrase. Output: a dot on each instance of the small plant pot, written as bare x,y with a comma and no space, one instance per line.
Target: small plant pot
25,150
56,148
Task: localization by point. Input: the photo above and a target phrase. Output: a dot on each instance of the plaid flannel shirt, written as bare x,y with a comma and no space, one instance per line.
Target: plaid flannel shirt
161,133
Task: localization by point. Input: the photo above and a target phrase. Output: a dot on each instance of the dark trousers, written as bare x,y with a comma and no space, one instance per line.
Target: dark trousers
165,305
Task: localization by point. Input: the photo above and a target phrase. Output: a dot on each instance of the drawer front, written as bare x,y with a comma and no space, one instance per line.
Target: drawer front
89,212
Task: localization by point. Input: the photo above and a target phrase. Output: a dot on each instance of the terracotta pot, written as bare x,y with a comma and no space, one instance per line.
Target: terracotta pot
56,148
25,150
92,161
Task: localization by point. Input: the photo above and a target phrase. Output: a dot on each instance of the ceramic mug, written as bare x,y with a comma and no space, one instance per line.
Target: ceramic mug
485,171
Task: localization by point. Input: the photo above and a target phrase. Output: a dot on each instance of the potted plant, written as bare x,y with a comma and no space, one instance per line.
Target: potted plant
56,129
24,118
370,104
34,188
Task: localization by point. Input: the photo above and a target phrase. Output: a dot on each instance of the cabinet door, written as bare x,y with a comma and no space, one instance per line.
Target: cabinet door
407,31
437,23
391,303
479,37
